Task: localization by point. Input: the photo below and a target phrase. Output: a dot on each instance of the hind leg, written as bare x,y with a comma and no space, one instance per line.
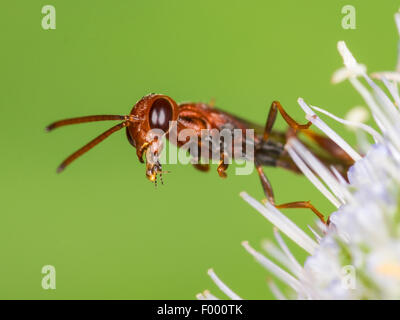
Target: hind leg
290,205
294,127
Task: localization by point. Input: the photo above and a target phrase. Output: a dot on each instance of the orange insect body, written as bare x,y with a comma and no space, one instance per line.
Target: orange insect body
157,112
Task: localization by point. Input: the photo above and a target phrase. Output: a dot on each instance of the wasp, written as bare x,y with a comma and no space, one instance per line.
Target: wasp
158,111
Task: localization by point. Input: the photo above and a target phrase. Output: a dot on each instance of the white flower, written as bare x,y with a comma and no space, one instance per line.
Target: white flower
357,256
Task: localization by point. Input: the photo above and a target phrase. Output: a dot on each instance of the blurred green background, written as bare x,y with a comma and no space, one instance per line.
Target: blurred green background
109,233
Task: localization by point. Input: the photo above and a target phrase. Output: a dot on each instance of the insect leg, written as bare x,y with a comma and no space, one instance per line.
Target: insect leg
222,166
201,166
324,142
302,204
329,146
270,196
265,184
273,111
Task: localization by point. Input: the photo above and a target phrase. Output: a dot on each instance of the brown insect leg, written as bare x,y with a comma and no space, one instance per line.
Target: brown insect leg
302,204
222,166
66,122
270,121
329,146
91,144
273,111
265,184
201,166
294,126
270,196
140,151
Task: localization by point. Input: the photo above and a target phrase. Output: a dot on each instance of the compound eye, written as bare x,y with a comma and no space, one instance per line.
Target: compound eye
160,114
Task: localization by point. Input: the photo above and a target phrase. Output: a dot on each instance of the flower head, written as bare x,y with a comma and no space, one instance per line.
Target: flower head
357,255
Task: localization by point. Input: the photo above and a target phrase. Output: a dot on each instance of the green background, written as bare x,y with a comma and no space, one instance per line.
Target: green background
106,229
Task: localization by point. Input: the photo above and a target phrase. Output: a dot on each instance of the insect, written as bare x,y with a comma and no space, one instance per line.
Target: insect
157,111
